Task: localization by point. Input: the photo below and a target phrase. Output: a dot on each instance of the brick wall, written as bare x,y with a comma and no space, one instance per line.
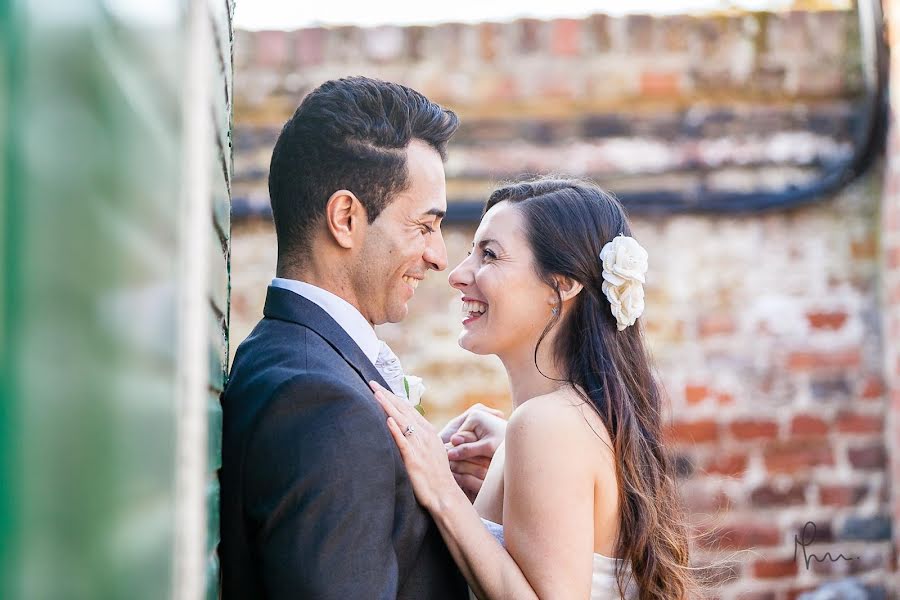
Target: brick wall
890,260
766,328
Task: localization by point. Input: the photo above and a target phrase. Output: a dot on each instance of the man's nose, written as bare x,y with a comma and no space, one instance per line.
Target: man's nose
436,252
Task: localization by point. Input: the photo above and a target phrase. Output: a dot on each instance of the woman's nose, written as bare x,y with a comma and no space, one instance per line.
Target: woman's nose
461,275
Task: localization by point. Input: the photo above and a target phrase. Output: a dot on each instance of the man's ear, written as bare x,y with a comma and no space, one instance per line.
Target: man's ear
344,216
568,287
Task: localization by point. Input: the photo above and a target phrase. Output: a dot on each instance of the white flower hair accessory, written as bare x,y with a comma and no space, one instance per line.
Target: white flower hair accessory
624,267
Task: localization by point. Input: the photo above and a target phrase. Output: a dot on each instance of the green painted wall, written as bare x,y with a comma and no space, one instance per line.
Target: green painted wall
91,151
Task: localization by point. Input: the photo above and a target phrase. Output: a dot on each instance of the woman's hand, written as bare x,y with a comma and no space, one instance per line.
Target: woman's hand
471,440
421,447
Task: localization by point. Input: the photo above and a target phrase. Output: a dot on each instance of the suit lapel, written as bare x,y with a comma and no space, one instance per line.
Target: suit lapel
285,305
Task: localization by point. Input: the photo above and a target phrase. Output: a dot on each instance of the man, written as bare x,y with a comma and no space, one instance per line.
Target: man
316,503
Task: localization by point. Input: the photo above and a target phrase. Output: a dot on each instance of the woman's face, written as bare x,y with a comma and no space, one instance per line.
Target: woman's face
505,305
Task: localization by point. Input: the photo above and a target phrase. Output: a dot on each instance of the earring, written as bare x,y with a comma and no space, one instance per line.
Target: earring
555,310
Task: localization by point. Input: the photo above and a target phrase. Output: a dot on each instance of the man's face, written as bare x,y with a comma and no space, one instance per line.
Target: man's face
404,242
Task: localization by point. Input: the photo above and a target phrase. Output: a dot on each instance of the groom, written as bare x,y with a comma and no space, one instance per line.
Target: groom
316,502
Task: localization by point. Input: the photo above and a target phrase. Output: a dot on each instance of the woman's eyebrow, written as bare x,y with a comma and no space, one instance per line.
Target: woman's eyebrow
485,242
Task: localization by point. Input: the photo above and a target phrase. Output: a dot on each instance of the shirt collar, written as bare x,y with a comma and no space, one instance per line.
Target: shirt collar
345,314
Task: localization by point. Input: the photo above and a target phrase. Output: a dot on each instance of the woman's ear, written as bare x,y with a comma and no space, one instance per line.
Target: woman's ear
568,287
344,215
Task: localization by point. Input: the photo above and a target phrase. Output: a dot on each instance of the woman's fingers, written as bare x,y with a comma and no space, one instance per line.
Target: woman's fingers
469,468
403,412
481,448
389,407
399,438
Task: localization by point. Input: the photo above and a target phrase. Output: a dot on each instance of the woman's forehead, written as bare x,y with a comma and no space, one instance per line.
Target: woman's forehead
501,222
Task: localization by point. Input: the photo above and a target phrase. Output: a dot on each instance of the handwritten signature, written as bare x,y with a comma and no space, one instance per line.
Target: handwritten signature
806,538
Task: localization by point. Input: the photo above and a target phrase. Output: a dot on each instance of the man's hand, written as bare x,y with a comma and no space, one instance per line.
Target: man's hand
471,440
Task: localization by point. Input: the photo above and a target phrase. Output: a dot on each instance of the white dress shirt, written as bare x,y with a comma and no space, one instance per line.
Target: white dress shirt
346,315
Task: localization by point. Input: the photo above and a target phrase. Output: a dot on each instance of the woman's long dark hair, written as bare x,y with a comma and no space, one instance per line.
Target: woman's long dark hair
567,223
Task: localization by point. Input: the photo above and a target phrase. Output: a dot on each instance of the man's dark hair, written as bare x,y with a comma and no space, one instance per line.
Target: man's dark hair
348,134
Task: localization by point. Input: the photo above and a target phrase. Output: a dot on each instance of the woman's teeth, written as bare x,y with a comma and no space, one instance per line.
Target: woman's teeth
473,306
411,282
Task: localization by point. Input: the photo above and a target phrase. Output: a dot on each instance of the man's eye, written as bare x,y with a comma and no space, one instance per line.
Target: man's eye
427,228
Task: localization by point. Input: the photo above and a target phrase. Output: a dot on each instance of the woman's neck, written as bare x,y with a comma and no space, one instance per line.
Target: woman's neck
526,381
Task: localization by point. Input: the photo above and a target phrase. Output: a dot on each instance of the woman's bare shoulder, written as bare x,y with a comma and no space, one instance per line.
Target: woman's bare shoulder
563,412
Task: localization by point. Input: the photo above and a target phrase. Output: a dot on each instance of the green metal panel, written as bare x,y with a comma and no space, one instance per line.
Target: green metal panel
100,147
91,150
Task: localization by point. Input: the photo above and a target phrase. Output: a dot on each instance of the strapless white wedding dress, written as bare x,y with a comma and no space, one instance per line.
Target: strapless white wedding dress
603,582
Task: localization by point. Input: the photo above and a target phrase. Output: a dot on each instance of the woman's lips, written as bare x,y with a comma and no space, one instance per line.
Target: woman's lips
473,310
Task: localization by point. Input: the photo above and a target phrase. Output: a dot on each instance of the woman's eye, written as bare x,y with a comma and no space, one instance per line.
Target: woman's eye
489,254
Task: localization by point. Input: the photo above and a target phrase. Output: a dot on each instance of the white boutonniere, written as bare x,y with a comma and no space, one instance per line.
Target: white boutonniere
414,389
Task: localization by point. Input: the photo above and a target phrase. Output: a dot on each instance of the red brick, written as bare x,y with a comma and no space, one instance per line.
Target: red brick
864,249
868,457
565,37
748,429
852,422
660,84
772,569
873,387
731,465
488,34
837,359
767,495
694,394
695,432
724,398
271,48
808,425
826,320
797,455
740,536
309,45
893,257
639,32
529,35
713,325
841,495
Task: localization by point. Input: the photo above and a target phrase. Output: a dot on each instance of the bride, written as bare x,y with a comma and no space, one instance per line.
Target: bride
580,500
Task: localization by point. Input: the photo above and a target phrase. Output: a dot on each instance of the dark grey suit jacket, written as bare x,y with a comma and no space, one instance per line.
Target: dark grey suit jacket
316,502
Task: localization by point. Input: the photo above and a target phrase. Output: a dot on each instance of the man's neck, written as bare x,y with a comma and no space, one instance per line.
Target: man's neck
315,276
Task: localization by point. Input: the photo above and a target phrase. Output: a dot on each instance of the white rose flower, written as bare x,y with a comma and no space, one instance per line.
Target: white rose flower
414,387
626,302
623,260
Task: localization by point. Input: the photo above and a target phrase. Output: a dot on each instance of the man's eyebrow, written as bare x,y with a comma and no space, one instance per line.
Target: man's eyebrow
436,212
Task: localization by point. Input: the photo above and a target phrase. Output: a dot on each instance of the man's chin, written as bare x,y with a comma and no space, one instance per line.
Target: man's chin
397,313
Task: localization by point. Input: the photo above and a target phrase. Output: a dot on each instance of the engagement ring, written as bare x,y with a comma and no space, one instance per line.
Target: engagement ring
409,430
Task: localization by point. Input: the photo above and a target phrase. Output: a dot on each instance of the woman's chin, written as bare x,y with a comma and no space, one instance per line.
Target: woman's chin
468,341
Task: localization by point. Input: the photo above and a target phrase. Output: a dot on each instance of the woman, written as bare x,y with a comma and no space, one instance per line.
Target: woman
580,500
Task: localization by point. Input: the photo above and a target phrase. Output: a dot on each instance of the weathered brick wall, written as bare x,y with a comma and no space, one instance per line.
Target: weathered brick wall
890,260
766,329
